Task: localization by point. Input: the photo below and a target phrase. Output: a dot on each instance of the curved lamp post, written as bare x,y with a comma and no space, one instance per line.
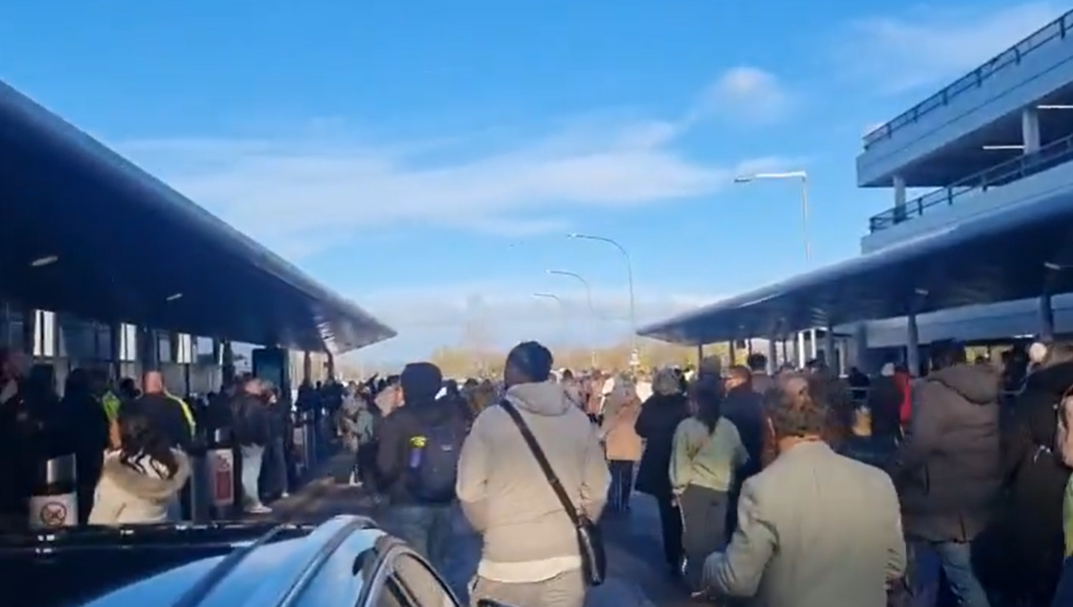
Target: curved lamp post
588,299
634,355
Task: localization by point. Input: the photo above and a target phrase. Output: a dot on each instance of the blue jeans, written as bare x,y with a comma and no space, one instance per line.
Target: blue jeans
252,457
426,528
927,560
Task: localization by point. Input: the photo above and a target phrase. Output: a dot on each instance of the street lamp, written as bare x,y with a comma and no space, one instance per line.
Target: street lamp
588,299
802,176
634,355
562,310
799,175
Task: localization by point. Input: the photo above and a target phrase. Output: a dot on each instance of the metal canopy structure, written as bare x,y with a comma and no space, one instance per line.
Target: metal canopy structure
84,231
1017,252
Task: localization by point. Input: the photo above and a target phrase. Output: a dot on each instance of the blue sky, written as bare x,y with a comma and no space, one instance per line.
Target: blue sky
426,158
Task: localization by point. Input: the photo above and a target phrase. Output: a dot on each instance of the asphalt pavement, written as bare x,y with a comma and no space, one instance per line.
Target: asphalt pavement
637,576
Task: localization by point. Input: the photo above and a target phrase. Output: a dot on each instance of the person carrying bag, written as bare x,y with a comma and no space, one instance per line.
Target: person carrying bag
589,537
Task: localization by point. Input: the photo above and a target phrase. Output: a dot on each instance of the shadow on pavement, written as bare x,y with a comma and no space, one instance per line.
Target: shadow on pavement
637,575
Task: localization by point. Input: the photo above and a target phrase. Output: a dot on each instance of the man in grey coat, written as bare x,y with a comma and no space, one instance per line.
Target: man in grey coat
815,529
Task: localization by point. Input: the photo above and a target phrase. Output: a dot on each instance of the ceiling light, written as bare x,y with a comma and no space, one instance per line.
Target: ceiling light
41,262
173,297
1054,106
995,148
1052,266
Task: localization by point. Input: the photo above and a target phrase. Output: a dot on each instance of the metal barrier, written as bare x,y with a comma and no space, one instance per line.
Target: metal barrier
300,440
195,492
1046,158
1055,30
219,467
54,501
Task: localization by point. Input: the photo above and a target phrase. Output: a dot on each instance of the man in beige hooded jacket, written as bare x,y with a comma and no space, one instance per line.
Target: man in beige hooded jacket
530,555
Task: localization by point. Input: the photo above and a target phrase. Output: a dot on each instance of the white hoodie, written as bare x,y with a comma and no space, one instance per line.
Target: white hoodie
528,537
138,492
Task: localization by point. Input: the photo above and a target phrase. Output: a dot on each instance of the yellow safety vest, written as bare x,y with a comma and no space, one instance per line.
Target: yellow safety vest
111,404
187,413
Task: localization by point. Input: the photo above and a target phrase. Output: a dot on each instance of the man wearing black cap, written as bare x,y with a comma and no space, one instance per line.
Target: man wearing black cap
420,444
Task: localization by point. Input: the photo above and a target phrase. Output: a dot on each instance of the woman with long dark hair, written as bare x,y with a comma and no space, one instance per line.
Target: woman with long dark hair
707,453
140,481
656,424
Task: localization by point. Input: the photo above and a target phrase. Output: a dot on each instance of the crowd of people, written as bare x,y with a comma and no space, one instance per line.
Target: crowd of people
132,444
795,489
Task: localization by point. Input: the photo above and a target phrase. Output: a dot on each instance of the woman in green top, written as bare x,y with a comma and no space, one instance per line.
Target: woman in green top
707,451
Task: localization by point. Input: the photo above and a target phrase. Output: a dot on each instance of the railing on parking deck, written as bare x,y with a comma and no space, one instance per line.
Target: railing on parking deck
1055,30
1045,158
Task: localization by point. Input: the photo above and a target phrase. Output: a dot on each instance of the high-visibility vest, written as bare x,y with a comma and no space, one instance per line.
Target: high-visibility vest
111,403
187,413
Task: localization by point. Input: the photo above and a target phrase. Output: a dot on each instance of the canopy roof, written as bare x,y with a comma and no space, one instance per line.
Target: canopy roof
84,231
1017,252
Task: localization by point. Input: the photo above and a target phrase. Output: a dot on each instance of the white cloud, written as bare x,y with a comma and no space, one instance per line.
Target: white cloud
500,315
287,190
745,93
927,46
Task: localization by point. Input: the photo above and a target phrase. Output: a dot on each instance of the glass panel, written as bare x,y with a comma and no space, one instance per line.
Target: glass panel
163,349
104,342
77,338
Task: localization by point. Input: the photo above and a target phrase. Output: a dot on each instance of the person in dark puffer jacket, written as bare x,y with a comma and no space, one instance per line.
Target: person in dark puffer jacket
948,473
1023,557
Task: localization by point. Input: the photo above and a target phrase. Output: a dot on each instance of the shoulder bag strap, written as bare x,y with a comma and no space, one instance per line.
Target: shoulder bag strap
545,465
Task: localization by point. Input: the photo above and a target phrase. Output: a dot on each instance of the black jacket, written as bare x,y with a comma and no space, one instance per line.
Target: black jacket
659,418
948,471
1027,558
396,431
743,407
252,419
165,415
885,401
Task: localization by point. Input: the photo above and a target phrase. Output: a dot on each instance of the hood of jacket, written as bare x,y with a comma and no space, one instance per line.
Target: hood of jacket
1054,380
978,384
545,398
146,485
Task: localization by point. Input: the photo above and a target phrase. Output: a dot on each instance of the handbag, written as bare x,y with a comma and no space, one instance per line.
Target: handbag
590,540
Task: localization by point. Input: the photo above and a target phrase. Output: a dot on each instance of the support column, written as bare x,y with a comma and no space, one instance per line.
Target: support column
331,366
29,332
227,363
799,360
859,357
1046,319
115,351
829,348
700,354
912,346
731,352
813,344
1030,129
772,364
899,199
307,367
148,349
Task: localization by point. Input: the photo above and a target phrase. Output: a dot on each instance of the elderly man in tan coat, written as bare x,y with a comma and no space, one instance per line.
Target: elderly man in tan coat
621,442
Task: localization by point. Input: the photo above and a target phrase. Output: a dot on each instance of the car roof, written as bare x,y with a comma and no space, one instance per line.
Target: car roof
277,568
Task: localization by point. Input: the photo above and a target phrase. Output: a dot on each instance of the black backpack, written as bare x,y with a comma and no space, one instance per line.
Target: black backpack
432,460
